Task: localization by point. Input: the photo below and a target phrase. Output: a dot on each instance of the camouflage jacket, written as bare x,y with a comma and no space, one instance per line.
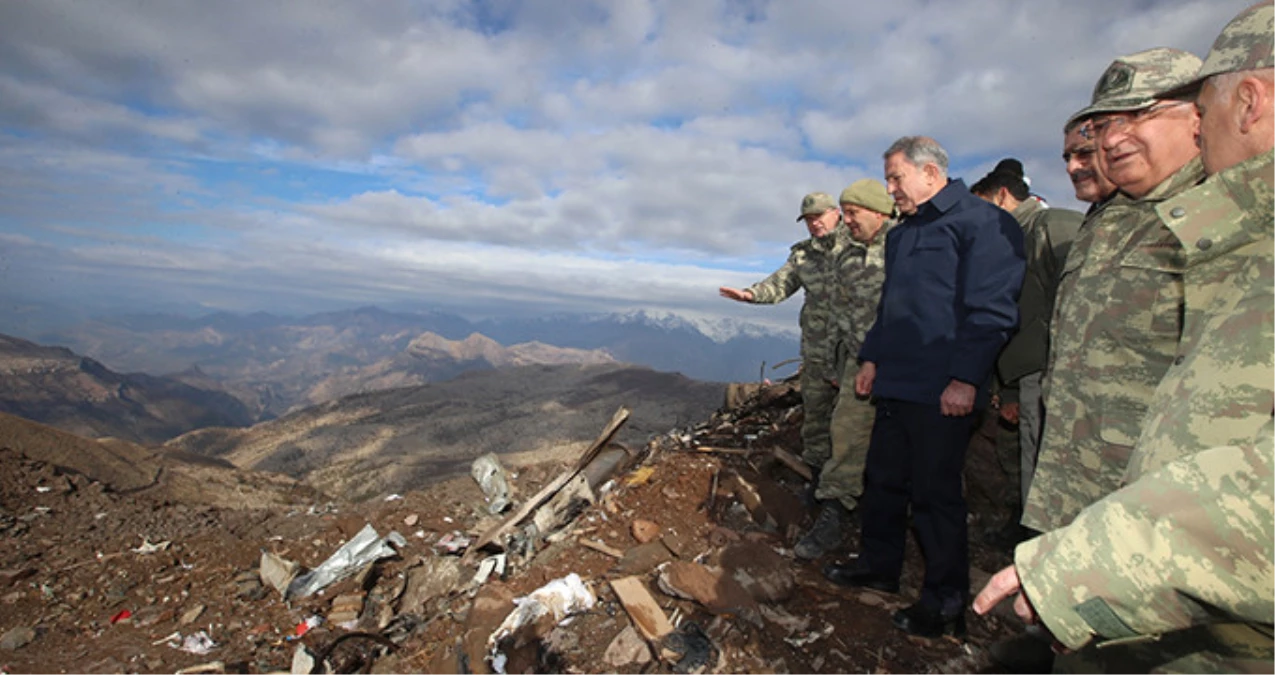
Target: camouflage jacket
1047,237
816,266
1219,389
1195,519
1172,573
862,273
1115,331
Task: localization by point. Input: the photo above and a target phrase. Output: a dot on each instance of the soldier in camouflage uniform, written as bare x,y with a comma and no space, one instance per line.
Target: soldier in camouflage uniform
1118,315
865,208
1047,236
1174,571
816,265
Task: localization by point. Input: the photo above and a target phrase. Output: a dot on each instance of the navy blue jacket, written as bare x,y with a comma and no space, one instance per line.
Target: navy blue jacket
950,300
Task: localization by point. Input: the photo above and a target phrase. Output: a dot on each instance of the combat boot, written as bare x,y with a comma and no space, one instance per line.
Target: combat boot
825,535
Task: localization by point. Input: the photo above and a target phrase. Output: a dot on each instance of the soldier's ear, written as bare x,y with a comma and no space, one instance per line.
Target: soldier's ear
1252,98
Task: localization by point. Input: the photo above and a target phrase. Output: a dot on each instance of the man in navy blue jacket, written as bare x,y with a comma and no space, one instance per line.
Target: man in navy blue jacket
953,268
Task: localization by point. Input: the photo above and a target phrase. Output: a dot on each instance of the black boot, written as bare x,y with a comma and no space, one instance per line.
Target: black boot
825,535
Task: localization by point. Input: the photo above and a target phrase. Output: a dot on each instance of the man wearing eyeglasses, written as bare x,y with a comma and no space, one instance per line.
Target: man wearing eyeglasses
1118,315
1080,153
1173,572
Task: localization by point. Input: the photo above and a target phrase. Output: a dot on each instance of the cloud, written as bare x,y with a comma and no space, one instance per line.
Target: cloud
537,154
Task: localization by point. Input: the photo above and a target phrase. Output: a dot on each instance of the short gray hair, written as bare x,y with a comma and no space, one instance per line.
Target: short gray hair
1226,82
919,151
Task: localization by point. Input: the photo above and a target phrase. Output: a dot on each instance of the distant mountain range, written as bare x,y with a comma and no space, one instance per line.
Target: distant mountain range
275,364
58,387
397,440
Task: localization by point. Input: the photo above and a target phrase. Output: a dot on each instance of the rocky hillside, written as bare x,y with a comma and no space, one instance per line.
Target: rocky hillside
681,558
58,387
403,439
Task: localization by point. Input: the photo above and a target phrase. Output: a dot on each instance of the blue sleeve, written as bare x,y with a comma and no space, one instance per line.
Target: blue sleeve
991,272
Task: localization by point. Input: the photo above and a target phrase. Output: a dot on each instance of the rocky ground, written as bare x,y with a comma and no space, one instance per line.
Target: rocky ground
697,528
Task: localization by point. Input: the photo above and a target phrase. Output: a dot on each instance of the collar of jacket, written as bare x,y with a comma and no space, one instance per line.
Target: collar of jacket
1186,177
878,239
835,239
949,196
1225,212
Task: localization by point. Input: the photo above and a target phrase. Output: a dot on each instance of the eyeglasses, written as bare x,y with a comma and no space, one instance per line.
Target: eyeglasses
1123,121
1079,153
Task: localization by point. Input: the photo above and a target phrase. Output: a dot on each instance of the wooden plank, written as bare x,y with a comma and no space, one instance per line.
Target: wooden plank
723,451
601,548
618,419
642,608
793,462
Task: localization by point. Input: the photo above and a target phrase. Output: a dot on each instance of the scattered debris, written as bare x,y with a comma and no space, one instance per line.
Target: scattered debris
346,610
731,592
195,643
808,638
490,476
491,565
642,608
147,547
191,615
627,647
645,530
601,548
688,648
557,600
715,591
433,577
640,476
793,462
452,542
618,419
277,572
364,549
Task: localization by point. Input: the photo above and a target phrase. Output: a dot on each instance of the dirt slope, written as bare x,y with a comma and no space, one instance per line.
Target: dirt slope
74,561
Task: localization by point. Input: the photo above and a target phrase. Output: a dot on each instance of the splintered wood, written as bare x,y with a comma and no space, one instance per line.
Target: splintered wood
618,419
642,608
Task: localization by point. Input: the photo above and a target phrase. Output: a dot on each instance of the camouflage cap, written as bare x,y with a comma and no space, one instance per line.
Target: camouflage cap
869,194
1245,43
1132,82
815,204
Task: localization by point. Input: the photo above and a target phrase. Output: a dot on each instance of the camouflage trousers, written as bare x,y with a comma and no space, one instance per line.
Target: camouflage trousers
818,399
849,434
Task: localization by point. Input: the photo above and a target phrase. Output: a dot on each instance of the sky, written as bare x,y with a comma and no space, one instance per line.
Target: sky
500,157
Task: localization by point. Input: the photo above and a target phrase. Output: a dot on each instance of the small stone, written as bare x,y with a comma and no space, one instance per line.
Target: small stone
645,531
192,615
17,638
627,647
871,599
411,520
